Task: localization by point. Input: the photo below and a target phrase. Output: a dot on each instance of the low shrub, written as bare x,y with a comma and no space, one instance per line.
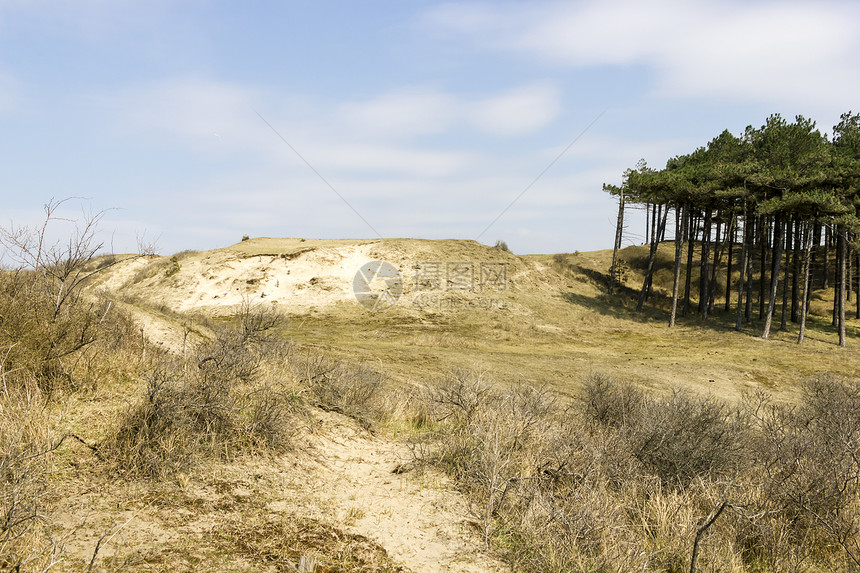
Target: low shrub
213,404
27,443
681,437
352,390
606,401
619,480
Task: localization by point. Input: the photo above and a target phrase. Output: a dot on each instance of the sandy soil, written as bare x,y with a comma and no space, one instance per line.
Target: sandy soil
417,517
342,475
299,276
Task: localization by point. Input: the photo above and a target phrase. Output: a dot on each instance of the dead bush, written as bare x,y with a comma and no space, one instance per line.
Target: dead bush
461,394
46,319
214,404
680,437
156,436
42,340
26,445
256,322
607,401
270,417
352,390
810,460
491,440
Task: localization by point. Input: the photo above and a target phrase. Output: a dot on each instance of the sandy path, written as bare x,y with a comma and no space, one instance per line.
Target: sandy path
418,518
155,329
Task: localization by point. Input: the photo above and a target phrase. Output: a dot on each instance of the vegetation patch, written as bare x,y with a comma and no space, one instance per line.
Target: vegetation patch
626,481
290,543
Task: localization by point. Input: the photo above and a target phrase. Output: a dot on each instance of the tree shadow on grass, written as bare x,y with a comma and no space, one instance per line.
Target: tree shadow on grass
622,305
657,309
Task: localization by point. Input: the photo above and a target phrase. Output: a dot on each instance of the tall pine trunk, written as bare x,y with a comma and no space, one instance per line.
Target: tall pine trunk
680,232
649,273
705,263
691,239
804,297
743,267
661,232
648,222
619,229
843,268
789,228
795,271
719,247
849,276
762,285
732,240
774,273
837,279
827,244
754,223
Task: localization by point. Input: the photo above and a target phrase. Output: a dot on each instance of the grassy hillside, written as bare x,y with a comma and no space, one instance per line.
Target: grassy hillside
239,409
552,323
566,326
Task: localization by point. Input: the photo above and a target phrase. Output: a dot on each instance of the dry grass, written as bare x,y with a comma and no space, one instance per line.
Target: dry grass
214,403
567,471
28,438
302,544
611,483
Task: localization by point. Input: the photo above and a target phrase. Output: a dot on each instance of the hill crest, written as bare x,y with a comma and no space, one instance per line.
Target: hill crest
301,275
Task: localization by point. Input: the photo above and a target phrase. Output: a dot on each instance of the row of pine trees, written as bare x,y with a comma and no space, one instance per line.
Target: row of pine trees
766,207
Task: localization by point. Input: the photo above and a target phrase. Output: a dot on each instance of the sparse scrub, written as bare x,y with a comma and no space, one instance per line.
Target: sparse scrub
42,338
155,266
811,460
462,393
27,441
174,267
53,331
608,402
304,545
353,390
681,437
623,481
216,403
161,266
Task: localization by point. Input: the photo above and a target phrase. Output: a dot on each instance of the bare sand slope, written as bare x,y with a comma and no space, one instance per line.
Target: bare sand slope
343,474
298,275
219,523
418,517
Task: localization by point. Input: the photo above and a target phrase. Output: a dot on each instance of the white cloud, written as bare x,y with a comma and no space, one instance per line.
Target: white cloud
518,111
784,52
395,160
380,135
410,113
197,111
89,17
401,113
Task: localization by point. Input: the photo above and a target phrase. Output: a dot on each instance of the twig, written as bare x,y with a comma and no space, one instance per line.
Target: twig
708,522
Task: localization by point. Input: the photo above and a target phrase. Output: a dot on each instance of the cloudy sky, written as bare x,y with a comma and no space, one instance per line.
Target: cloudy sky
192,123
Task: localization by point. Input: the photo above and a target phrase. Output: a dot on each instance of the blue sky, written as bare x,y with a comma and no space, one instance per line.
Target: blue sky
428,118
